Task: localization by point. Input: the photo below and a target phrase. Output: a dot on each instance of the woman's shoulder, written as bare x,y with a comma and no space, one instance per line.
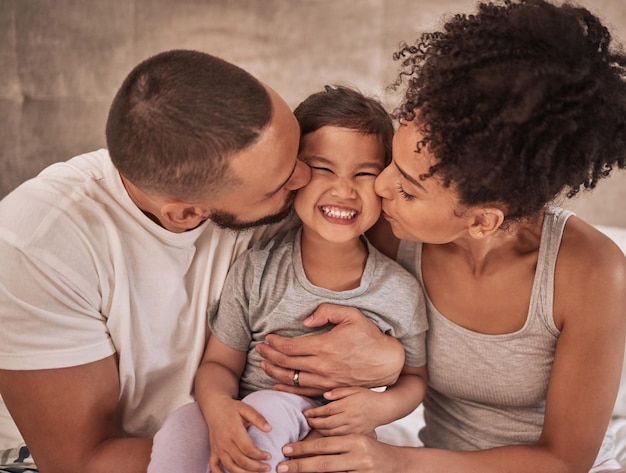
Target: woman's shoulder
590,270
587,248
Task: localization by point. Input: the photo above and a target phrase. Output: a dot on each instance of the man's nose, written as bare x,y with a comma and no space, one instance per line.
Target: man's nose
300,177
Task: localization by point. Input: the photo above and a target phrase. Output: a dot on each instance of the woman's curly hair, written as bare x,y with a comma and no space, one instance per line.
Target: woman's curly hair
519,103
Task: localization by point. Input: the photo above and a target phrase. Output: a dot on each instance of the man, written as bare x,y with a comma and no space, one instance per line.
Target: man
111,259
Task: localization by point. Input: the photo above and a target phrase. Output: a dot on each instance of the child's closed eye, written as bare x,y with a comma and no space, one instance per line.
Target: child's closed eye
319,168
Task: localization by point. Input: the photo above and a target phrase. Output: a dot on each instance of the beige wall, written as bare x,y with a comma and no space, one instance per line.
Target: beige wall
61,62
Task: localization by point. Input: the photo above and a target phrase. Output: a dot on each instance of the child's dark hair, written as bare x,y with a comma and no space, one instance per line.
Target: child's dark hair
519,103
344,107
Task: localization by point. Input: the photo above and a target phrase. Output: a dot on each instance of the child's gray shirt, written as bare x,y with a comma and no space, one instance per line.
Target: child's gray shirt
267,291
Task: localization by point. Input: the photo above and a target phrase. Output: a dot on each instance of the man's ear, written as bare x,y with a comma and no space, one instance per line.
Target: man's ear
182,216
486,221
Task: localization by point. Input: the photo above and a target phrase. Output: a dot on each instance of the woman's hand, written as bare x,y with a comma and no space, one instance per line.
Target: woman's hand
354,453
354,353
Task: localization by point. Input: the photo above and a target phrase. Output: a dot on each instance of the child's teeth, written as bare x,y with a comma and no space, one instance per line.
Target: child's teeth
336,213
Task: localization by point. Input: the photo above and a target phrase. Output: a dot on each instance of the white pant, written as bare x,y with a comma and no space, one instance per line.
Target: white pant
182,443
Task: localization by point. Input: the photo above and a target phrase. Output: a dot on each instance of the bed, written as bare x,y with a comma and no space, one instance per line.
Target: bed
404,431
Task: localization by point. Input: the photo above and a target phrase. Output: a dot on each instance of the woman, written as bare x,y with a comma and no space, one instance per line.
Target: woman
505,111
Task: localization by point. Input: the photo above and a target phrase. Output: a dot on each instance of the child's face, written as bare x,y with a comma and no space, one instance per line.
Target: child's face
339,203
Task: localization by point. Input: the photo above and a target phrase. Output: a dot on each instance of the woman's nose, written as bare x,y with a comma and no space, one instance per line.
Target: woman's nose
382,184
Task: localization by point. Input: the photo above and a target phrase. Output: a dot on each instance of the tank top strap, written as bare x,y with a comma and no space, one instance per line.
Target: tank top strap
542,297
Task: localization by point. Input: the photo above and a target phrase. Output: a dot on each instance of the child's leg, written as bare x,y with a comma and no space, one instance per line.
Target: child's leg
283,411
182,443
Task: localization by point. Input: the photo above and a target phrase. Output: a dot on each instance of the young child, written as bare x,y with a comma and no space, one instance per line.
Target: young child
272,288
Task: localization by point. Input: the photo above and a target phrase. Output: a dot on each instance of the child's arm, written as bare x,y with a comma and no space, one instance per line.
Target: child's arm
361,410
217,386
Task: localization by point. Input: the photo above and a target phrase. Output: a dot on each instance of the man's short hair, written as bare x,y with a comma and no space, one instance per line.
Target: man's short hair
178,117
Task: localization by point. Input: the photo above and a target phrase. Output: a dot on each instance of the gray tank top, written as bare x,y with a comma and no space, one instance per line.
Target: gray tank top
489,390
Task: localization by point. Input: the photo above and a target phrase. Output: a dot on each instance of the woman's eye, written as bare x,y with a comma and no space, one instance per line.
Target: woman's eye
370,174
403,193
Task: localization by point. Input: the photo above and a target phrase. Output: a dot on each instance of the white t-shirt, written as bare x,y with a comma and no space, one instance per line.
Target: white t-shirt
85,274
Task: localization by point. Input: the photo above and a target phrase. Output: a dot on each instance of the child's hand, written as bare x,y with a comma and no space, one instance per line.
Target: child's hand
231,446
351,412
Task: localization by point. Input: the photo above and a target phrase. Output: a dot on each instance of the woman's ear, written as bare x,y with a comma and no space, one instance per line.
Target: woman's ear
486,221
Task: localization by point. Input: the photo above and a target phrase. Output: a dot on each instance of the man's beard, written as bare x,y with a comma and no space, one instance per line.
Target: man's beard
230,221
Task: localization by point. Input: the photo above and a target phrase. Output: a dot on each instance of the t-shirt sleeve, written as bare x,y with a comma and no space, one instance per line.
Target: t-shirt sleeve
414,338
48,321
403,303
229,321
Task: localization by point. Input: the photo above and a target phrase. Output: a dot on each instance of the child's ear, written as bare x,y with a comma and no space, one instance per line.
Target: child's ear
183,215
486,221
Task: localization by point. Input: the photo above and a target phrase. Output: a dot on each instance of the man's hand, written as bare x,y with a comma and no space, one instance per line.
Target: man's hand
354,353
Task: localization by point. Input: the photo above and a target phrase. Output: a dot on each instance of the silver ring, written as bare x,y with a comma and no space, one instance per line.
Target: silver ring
296,378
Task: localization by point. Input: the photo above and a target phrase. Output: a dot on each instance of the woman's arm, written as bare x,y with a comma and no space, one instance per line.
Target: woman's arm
577,413
362,454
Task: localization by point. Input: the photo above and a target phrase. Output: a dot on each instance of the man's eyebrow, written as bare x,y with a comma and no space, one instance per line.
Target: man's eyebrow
283,184
410,178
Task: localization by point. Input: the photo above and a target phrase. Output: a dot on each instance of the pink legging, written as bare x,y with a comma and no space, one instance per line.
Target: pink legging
182,443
